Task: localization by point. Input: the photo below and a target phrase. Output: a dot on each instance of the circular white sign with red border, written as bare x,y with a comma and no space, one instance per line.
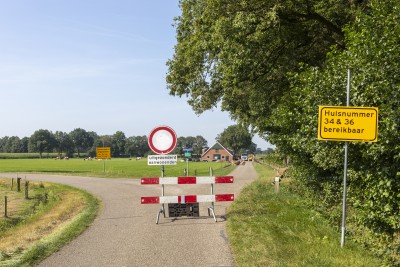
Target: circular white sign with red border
162,140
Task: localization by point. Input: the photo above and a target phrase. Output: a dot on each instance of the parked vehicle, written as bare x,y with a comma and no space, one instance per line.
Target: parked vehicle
244,156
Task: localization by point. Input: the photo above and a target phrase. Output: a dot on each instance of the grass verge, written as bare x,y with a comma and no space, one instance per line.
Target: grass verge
36,229
278,229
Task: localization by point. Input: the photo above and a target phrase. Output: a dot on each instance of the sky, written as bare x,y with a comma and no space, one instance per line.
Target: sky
99,65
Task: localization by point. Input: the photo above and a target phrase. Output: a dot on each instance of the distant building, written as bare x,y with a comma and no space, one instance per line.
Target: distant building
217,153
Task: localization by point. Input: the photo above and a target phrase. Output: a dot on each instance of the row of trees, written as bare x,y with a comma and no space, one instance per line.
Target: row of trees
272,63
80,141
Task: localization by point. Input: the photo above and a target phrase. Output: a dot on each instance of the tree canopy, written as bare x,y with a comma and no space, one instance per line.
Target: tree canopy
236,137
42,141
238,53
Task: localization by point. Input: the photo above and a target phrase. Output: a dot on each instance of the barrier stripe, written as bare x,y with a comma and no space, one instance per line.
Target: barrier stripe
188,199
187,180
150,180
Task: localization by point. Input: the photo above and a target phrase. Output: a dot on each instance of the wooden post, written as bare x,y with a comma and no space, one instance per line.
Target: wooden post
276,183
5,206
26,190
12,183
19,184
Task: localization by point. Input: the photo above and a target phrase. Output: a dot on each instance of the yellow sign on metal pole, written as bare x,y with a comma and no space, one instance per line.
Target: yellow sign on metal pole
103,153
353,124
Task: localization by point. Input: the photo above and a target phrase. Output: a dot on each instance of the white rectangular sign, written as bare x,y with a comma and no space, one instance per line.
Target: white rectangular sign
162,159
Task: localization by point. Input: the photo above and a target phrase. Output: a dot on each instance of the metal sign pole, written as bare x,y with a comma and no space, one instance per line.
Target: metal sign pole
162,208
211,210
346,146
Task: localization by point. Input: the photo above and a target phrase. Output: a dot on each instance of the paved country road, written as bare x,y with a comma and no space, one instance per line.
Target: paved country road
125,232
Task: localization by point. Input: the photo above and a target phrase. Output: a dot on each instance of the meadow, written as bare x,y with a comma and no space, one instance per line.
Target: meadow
114,168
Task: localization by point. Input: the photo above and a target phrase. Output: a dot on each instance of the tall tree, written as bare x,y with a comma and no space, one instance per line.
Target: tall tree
24,144
235,137
118,144
137,146
238,53
42,141
13,144
64,143
200,143
82,140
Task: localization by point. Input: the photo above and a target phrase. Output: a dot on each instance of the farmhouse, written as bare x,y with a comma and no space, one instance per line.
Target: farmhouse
217,152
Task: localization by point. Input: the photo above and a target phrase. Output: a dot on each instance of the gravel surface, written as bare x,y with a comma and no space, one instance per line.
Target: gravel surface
125,233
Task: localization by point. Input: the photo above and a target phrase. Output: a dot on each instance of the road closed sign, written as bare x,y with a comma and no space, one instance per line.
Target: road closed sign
352,124
162,140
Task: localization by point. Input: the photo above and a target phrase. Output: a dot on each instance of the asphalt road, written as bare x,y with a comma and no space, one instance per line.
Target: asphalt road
125,232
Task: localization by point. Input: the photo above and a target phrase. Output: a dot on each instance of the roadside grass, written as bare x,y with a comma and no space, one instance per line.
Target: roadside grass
39,226
119,167
278,229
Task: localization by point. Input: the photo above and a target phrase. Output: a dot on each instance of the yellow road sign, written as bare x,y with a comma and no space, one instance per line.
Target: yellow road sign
103,153
353,124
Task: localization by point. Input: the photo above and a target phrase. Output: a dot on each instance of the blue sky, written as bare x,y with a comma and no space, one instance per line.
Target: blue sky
97,65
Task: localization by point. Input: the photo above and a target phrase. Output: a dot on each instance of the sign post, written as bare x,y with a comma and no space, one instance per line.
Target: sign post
346,148
162,140
349,124
103,153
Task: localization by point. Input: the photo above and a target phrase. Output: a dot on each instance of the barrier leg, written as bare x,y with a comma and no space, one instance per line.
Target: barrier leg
158,214
211,209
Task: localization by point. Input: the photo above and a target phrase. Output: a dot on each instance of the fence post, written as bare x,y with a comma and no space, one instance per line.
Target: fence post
12,183
5,206
19,184
26,190
276,183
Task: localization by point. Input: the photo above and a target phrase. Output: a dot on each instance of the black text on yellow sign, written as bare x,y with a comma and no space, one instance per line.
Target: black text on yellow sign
352,124
103,153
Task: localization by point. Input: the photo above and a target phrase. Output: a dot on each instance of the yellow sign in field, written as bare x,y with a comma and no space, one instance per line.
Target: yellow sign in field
353,124
103,153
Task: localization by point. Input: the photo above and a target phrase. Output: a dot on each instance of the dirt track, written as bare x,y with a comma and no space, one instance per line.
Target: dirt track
125,232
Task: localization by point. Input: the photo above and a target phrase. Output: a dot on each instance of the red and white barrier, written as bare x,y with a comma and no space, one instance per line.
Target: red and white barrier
188,199
188,180
182,180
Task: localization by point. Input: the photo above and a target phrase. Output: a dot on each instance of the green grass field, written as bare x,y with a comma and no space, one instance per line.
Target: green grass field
123,168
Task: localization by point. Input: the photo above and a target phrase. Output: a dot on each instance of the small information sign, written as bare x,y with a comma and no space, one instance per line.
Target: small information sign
162,159
103,152
353,124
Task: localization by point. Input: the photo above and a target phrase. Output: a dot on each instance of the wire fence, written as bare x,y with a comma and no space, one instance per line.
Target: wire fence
12,199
